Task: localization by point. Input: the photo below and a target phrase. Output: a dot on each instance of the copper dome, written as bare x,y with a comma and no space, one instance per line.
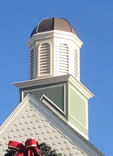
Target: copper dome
49,24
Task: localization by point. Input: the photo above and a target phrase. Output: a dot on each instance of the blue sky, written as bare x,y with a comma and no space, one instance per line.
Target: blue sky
93,20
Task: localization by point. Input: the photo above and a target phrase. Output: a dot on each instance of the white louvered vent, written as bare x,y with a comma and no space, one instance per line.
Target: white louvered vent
63,59
32,64
76,63
44,59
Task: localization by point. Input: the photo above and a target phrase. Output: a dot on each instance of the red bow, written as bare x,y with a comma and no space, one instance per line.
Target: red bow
30,147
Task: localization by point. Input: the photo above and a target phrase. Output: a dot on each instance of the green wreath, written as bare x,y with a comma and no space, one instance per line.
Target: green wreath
45,150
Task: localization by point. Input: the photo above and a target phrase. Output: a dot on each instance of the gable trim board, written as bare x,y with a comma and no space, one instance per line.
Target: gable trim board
60,125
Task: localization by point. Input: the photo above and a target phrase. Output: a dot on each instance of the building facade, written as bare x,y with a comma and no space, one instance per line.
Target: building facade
53,103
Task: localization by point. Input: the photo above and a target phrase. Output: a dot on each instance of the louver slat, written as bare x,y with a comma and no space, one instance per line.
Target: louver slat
44,59
76,64
32,64
63,59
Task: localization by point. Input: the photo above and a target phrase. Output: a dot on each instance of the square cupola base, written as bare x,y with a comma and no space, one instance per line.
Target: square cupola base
63,95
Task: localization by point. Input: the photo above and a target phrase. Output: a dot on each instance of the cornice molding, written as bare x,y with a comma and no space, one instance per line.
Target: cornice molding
58,79
81,87
55,34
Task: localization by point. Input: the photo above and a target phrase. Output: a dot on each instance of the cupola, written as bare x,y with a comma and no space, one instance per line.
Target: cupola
55,73
54,49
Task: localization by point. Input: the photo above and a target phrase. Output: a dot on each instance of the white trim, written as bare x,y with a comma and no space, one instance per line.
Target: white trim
79,64
82,89
73,87
65,98
76,64
56,34
22,95
87,121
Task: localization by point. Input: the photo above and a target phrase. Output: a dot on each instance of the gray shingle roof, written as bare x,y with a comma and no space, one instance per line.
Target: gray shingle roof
33,119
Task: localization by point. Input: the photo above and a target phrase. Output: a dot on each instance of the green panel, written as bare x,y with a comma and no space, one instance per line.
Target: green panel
55,94
77,110
78,126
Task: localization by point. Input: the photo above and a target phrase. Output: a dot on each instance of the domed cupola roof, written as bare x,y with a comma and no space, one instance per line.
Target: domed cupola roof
49,24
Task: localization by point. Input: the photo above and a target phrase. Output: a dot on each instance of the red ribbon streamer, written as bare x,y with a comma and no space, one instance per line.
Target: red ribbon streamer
30,147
